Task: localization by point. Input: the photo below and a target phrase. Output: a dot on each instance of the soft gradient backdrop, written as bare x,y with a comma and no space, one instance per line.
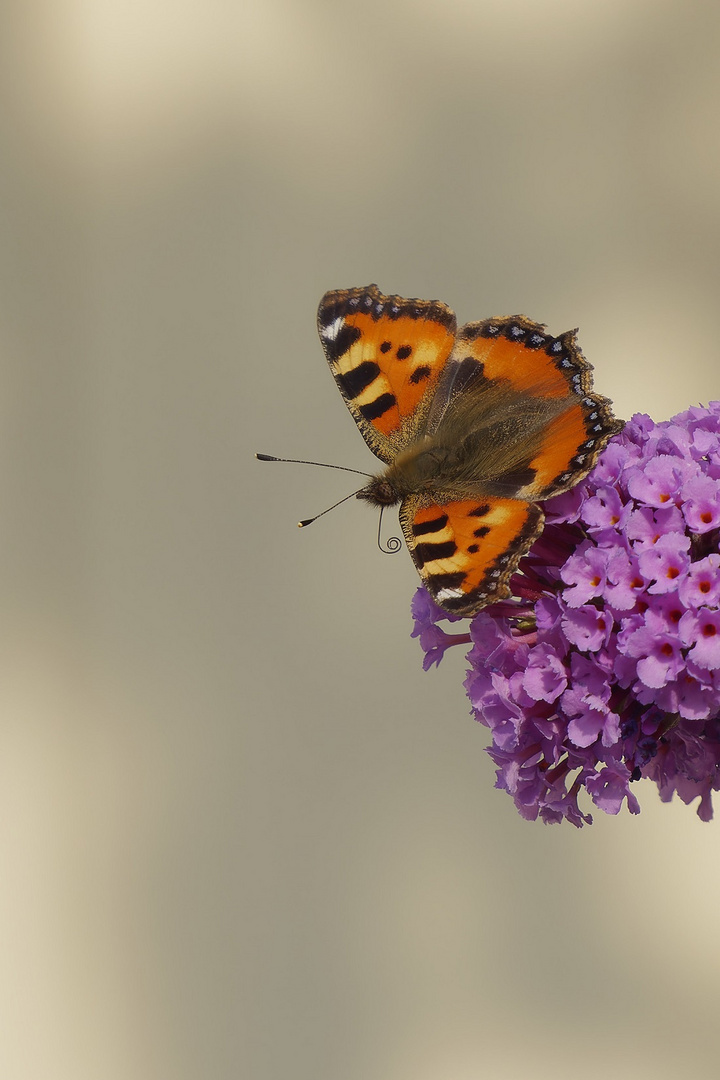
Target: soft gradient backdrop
242,834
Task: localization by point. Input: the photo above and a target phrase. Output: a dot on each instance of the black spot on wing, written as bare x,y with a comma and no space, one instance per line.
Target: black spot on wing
403,352
482,531
467,372
426,552
420,373
378,407
520,477
343,340
511,482
447,581
435,525
480,511
356,380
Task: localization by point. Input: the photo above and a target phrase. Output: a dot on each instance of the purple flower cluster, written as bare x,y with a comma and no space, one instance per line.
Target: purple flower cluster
604,666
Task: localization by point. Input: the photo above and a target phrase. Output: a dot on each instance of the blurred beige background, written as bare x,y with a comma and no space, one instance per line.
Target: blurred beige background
242,834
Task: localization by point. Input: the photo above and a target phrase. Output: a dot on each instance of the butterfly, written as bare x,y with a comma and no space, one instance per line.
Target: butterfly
475,426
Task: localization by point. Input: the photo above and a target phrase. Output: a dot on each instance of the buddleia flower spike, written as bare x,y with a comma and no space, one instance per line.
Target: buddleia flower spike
602,669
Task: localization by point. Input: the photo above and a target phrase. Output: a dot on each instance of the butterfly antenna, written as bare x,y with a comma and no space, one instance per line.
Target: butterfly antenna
309,521
322,464
393,544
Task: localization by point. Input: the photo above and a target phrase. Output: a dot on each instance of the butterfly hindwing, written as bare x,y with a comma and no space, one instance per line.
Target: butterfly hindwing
467,550
386,354
531,394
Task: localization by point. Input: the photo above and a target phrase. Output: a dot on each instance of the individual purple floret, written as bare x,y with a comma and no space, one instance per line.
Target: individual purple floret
603,668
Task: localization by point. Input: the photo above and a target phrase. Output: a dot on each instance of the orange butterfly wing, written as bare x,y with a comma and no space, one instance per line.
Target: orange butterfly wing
520,353
386,354
467,551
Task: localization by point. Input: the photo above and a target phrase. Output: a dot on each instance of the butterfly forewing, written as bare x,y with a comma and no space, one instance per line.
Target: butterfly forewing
386,354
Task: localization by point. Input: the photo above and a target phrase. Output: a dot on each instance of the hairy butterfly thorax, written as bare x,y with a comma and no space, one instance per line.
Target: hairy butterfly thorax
424,466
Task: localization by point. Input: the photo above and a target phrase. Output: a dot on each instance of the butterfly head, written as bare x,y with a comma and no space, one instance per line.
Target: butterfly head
380,491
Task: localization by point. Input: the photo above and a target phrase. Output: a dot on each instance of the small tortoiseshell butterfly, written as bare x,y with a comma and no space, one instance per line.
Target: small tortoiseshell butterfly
475,425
